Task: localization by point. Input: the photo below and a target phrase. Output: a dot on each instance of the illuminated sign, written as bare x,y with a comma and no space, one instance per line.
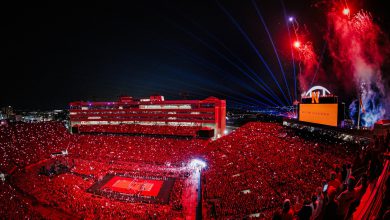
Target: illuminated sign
315,97
317,88
325,114
315,92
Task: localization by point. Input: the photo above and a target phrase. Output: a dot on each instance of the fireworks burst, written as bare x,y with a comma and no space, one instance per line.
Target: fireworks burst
346,11
308,62
307,59
354,46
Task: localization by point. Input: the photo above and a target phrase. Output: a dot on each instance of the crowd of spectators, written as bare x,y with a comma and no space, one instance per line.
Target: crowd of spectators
67,192
190,131
27,143
133,148
91,157
14,205
259,165
260,170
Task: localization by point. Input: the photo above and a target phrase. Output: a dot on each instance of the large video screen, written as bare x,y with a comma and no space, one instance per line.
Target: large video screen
325,114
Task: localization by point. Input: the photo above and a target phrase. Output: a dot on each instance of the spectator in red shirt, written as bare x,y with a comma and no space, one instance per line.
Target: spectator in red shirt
287,212
346,198
334,182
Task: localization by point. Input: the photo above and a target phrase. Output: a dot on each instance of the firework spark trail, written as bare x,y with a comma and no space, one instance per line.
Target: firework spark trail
243,33
308,58
291,48
274,48
354,46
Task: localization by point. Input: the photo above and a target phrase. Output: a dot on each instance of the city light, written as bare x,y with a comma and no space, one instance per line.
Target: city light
291,19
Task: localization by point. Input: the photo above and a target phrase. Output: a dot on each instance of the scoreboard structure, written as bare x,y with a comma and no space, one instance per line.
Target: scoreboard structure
151,115
319,106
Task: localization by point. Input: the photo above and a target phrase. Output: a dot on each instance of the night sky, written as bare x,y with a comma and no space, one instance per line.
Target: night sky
60,52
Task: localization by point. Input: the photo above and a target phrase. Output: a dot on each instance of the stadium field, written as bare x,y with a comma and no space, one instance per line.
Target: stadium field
134,188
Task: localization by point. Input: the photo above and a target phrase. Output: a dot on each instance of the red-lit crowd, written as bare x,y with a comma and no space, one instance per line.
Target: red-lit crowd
144,129
133,148
250,173
66,195
253,170
91,156
23,143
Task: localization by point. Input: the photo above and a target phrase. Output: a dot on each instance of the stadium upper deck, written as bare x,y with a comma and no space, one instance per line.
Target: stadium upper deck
196,114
